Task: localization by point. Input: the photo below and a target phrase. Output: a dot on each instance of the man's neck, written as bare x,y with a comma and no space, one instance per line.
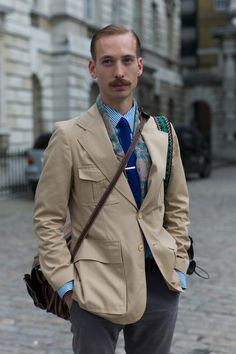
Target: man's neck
121,107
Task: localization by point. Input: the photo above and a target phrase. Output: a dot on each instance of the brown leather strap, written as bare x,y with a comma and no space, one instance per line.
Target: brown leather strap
143,119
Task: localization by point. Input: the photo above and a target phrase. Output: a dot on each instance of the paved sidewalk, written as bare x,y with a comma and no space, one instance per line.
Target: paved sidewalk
207,315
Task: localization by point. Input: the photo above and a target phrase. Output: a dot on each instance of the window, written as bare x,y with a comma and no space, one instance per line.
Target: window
35,22
188,20
170,5
189,48
170,16
89,9
220,5
116,6
137,19
154,11
170,33
37,106
171,109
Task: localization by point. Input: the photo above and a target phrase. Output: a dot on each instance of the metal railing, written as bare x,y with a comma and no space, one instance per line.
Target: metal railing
12,173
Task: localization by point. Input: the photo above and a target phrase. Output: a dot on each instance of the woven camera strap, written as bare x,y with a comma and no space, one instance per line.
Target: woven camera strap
143,117
164,125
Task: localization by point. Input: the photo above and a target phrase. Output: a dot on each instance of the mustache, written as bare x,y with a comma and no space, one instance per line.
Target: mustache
120,82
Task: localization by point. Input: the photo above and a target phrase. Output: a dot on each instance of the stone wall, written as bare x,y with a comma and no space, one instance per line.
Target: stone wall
44,56
17,75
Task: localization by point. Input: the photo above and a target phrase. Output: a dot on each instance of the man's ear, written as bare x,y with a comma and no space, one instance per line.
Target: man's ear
92,69
140,66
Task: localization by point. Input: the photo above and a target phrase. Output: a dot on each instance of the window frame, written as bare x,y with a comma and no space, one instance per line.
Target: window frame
220,5
90,10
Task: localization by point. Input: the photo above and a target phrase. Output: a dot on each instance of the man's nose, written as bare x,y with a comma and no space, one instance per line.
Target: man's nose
119,70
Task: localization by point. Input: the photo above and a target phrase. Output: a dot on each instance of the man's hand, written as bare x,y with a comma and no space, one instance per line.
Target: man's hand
67,298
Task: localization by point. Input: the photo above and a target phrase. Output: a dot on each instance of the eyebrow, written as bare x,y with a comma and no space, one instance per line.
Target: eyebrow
112,57
106,57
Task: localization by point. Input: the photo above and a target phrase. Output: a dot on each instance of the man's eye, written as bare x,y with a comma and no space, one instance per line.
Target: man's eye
107,62
128,61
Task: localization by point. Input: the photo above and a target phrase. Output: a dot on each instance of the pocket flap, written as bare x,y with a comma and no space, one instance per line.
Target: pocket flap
167,240
91,174
99,250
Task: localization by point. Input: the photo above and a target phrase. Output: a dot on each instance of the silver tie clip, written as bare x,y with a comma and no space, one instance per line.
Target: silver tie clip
130,168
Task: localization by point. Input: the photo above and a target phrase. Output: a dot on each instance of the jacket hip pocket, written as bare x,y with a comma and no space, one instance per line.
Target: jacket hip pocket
100,277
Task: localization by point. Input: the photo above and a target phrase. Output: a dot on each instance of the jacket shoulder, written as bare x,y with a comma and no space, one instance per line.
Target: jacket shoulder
82,120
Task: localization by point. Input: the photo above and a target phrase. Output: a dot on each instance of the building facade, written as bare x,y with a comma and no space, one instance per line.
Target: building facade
44,51
211,15
209,77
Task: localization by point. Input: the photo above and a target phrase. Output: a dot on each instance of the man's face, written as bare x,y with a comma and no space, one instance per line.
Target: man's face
116,68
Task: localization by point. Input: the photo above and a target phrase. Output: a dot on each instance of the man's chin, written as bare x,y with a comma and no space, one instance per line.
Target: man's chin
118,98
121,95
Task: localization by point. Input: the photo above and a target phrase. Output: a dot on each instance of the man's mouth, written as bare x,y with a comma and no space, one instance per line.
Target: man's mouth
119,85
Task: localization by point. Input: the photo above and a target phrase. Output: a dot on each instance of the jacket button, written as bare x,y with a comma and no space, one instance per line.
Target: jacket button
140,215
140,247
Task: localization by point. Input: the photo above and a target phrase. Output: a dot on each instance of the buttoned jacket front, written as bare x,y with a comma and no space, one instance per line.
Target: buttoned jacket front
109,270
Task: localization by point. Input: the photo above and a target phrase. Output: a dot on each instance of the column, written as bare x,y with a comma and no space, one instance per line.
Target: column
3,125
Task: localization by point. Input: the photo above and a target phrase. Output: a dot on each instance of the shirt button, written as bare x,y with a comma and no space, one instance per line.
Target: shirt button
140,247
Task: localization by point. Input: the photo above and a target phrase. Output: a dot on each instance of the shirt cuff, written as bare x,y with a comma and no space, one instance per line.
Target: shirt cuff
64,288
182,279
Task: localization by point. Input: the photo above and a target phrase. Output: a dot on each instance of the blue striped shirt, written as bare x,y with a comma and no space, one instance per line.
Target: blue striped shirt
115,116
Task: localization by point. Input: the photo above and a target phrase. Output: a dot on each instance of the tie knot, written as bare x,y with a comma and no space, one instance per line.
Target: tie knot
123,123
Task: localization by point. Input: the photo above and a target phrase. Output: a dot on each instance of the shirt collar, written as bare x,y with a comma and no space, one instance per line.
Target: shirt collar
115,116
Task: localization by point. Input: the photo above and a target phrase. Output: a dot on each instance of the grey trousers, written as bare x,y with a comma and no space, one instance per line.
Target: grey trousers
152,334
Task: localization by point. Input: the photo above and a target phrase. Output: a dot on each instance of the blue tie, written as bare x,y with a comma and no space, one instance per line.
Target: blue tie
132,174
131,171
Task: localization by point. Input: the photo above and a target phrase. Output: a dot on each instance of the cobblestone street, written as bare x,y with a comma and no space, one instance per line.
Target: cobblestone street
207,315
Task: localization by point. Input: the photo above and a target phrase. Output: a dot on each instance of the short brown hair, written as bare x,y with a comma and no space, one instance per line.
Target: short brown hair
112,30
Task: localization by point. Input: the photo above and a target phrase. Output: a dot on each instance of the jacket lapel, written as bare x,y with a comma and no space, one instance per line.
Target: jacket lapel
157,144
95,140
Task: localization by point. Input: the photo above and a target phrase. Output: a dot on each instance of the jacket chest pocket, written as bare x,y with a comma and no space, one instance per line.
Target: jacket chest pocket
92,186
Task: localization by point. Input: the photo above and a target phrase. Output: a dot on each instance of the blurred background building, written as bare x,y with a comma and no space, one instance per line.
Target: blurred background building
44,55
208,59
189,72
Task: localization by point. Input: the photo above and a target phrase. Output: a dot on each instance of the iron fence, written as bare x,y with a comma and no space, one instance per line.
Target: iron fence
12,173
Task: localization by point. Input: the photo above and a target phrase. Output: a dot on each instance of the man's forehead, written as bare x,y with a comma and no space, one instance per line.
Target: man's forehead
122,44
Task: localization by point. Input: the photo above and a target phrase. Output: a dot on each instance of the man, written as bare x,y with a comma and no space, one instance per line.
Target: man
129,271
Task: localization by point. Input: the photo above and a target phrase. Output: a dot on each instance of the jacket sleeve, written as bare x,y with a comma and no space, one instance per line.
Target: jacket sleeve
50,211
176,218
